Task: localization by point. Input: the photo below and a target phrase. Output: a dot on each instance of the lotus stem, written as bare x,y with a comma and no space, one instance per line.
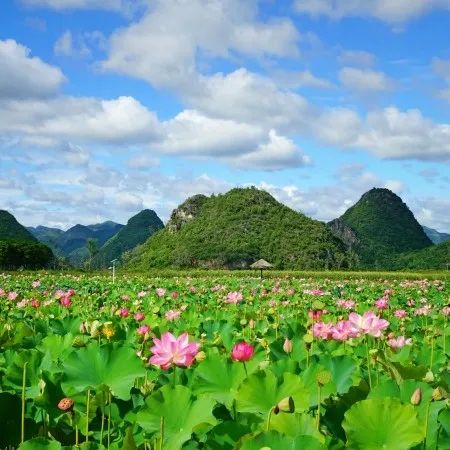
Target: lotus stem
269,416
109,419
426,425
76,435
245,368
22,416
368,363
432,352
161,431
87,414
103,417
319,401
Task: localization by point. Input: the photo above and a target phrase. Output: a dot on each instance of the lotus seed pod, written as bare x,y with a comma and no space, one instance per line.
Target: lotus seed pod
78,342
439,394
323,377
95,328
243,322
200,356
416,397
429,377
308,338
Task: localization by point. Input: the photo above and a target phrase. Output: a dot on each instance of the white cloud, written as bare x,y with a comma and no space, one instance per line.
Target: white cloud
294,80
24,76
142,161
442,68
364,80
388,133
125,6
390,11
64,46
121,120
163,47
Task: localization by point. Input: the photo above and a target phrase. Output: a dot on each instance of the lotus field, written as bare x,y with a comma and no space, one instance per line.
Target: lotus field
223,362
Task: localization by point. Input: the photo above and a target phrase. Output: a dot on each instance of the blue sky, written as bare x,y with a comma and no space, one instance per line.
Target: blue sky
111,106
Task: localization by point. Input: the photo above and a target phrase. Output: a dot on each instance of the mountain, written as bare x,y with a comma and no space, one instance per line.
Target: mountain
11,229
434,257
382,227
234,230
18,247
436,236
47,236
137,230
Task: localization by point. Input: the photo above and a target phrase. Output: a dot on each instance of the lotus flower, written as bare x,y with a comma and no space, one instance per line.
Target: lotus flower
160,292
399,342
172,315
368,323
400,313
323,330
170,350
243,351
234,298
288,345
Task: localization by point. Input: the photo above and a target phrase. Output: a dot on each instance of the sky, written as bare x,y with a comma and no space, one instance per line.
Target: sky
108,107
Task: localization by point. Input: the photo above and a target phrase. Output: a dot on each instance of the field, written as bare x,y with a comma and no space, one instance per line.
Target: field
224,360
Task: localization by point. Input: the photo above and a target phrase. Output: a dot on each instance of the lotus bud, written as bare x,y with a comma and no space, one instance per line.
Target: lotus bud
416,397
243,322
200,356
251,323
287,346
286,405
147,387
439,394
323,377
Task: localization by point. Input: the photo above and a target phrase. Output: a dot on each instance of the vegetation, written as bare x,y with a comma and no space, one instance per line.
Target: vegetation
384,227
237,228
15,254
138,229
10,228
435,257
436,236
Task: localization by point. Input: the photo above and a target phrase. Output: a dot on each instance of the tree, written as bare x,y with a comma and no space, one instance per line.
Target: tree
92,246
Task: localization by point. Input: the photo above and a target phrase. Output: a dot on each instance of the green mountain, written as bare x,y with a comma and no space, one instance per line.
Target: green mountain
436,236
18,247
11,229
434,257
236,229
138,229
46,235
382,226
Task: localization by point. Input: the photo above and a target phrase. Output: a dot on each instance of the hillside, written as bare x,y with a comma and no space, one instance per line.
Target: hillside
434,257
383,227
237,228
138,229
18,247
436,236
10,228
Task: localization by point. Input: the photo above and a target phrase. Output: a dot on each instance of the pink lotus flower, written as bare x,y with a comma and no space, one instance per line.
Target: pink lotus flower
139,316
175,294
172,315
423,311
400,313
143,330
12,295
346,304
142,294
382,303
445,311
343,330
2,292
288,345
35,303
169,351
65,301
368,323
125,297
323,330
399,342
234,298
124,312
160,292
35,284
243,351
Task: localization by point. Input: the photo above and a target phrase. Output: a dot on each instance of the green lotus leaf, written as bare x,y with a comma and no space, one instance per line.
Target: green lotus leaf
220,377
182,413
261,392
40,444
97,366
343,370
273,440
295,425
382,424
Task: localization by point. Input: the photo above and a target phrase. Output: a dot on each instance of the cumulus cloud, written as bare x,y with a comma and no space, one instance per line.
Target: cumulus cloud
305,78
364,80
393,12
185,29
24,76
125,6
357,57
